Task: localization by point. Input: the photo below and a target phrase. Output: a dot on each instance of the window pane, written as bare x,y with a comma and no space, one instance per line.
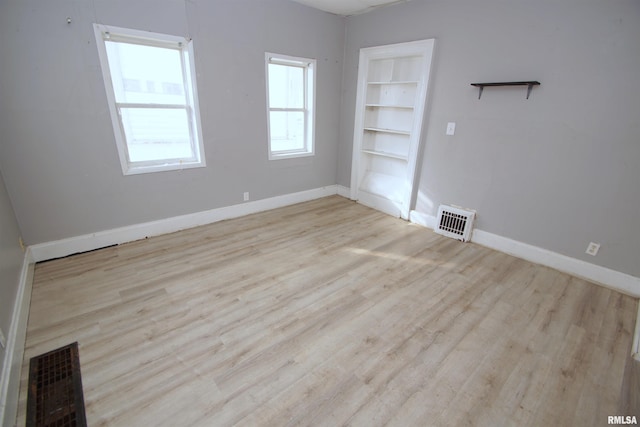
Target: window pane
156,134
286,86
287,130
146,74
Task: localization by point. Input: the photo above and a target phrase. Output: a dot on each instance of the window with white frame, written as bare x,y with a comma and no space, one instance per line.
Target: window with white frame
290,105
151,89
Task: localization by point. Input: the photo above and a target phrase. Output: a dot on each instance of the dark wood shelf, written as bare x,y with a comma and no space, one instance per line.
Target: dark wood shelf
530,84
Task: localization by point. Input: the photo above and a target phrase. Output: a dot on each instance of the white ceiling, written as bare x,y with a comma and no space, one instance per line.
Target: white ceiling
347,7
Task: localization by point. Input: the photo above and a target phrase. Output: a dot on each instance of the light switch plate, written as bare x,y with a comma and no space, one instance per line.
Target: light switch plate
451,128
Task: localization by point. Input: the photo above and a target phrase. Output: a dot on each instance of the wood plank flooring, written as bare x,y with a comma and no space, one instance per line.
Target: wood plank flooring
329,313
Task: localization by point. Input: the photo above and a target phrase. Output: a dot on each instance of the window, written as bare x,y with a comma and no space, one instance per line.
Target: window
290,105
151,89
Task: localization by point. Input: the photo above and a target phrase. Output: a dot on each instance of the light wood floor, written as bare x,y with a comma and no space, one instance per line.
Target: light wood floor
330,313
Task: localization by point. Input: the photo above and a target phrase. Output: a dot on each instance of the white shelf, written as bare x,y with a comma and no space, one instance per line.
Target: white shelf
386,154
396,132
408,107
394,83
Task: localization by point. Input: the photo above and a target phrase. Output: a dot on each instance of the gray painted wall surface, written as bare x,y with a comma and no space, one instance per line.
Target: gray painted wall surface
58,153
11,257
556,171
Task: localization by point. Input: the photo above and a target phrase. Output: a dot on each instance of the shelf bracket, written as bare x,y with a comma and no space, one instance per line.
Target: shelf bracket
480,89
529,87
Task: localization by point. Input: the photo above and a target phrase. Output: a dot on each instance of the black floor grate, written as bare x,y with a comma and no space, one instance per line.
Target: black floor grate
55,396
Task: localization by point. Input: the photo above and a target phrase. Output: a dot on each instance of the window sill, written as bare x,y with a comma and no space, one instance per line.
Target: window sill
281,156
137,170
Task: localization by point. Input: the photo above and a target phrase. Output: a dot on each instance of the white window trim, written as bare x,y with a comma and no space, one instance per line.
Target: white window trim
309,66
185,46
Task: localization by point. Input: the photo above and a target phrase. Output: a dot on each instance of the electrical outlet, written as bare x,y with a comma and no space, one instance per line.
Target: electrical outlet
3,341
246,196
593,248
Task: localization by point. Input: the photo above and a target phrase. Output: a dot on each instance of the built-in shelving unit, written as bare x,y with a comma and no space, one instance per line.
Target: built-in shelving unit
392,89
529,83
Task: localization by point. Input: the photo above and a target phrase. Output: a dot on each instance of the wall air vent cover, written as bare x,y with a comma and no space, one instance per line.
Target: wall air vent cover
455,222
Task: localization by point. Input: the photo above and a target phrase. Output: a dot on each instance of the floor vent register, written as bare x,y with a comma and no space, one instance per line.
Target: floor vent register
55,396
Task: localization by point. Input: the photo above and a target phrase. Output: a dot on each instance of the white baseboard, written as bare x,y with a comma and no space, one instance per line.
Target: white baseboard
635,346
621,282
10,380
422,219
101,239
343,191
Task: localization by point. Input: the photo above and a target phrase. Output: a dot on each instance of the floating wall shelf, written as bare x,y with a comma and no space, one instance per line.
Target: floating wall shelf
529,84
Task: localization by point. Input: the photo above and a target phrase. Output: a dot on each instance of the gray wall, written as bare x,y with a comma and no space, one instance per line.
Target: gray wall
11,257
556,171
58,153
